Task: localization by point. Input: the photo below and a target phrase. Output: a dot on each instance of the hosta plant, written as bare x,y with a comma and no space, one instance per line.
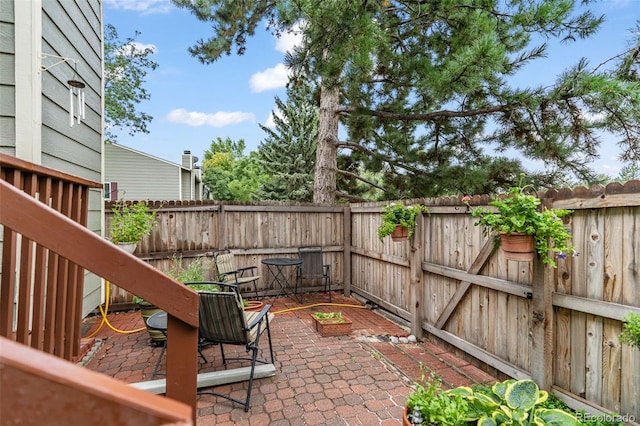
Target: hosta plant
512,402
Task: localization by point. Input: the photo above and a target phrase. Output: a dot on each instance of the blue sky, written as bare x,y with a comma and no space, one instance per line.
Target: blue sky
193,104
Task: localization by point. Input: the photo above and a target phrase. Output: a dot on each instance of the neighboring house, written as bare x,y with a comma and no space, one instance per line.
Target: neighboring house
43,45
135,175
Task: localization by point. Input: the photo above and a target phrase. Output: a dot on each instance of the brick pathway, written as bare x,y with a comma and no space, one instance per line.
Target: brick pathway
360,379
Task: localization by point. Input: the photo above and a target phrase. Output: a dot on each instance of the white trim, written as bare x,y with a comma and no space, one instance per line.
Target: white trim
28,80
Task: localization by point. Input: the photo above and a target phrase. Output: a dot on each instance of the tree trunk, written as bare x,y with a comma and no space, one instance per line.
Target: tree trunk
324,189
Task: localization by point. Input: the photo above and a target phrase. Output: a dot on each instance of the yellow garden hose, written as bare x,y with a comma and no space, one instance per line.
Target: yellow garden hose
319,304
106,321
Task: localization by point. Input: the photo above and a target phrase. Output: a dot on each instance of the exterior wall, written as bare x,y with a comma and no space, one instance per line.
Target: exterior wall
34,111
141,176
7,78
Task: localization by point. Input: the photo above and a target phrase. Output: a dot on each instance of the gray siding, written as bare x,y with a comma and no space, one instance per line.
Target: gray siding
141,176
72,29
7,78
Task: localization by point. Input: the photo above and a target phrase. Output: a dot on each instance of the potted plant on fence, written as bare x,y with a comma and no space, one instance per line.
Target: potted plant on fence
399,221
130,223
518,217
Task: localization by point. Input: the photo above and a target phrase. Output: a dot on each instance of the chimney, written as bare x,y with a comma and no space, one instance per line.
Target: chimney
187,160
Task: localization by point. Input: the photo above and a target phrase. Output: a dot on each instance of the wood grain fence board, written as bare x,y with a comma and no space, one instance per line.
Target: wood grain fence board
474,269
595,279
578,367
612,292
614,311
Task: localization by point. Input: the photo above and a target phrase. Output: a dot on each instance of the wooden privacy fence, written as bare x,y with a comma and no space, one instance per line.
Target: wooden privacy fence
557,326
253,232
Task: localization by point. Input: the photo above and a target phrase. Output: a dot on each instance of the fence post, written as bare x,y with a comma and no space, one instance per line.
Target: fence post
346,244
541,321
416,285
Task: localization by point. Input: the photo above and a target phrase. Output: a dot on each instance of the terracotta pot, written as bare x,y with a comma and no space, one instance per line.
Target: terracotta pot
405,417
401,233
254,305
517,246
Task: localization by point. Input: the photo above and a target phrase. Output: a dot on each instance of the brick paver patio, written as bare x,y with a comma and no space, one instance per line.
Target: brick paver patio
360,379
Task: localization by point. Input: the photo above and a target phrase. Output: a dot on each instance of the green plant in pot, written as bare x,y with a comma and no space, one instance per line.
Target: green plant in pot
397,215
131,222
519,214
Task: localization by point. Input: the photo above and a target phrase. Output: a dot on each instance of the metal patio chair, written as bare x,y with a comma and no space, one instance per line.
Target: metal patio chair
223,321
229,273
313,268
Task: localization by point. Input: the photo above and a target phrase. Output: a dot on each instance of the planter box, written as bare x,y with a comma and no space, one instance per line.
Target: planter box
332,326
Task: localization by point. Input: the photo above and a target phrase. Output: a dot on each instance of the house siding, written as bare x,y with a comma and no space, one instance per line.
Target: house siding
7,78
141,176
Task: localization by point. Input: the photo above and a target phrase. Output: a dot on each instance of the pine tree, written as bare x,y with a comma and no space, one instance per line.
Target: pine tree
288,153
424,89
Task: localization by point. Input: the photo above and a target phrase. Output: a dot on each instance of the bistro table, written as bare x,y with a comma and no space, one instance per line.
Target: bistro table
158,321
278,267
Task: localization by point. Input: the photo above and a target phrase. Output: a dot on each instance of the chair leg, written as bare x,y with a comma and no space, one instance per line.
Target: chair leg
224,360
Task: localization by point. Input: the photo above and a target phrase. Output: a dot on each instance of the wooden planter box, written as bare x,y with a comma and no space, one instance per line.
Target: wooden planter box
332,326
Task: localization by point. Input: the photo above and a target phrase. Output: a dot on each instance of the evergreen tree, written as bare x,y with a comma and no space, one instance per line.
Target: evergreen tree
425,93
287,154
228,174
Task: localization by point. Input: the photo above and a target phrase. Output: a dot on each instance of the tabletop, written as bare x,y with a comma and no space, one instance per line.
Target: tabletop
282,261
158,321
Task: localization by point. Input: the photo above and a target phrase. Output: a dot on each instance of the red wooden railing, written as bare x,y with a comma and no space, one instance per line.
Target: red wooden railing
46,248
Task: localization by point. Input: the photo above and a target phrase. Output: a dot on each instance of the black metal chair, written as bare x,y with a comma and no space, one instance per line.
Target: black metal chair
223,321
313,268
228,272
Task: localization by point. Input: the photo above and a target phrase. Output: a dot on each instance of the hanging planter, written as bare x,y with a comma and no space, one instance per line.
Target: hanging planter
399,221
517,246
400,233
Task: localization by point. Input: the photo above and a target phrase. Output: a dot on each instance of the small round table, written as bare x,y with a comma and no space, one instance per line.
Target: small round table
158,321
277,266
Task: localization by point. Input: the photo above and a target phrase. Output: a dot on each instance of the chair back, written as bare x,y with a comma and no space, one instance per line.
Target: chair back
226,265
222,317
312,262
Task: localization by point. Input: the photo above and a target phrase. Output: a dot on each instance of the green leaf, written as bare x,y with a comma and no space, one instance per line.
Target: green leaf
522,395
553,417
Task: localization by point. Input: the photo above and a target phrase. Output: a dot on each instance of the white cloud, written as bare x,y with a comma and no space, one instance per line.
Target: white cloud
141,47
217,119
288,40
271,78
145,7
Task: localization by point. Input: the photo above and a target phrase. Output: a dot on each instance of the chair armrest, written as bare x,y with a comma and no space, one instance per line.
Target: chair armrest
247,268
259,317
